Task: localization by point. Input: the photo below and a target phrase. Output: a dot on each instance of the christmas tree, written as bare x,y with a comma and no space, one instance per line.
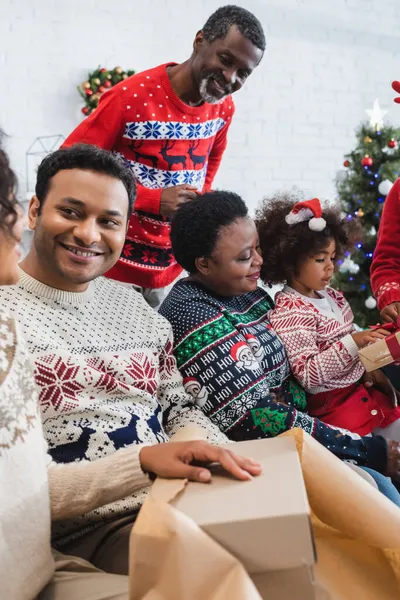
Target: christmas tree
371,169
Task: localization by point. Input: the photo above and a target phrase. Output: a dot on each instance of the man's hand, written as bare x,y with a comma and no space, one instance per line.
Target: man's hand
363,338
391,312
393,460
173,197
173,460
379,380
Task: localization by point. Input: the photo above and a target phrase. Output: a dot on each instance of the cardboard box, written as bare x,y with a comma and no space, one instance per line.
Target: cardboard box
356,529
381,353
264,523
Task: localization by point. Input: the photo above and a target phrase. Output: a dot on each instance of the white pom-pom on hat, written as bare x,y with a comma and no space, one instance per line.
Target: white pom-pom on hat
317,224
309,210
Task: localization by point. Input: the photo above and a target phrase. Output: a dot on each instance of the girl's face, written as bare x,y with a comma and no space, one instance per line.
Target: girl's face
234,267
315,272
10,239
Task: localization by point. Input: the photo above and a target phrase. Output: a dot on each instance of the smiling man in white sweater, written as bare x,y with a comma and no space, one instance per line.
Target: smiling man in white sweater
109,389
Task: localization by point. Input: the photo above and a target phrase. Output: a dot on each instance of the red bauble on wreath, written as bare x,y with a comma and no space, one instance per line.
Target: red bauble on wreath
367,161
346,163
392,143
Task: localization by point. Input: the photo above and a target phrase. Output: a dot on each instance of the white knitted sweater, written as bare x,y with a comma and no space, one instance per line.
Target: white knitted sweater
26,563
108,379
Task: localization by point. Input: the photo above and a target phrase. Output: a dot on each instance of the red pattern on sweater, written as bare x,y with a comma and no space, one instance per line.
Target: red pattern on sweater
313,342
321,362
148,98
385,268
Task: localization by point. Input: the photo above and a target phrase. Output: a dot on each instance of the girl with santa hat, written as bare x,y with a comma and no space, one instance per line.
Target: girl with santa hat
302,244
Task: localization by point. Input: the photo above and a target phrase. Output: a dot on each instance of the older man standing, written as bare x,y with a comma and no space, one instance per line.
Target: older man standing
170,124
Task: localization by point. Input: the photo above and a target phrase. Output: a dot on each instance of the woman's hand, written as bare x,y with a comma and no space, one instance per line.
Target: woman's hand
391,312
393,460
173,460
363,338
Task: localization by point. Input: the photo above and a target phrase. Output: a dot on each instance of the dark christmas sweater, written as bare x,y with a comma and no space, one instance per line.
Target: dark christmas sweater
235,366
385,268
165,143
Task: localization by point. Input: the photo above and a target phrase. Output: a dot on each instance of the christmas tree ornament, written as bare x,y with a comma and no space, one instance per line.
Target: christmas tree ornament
348,265
367,161
103,70
86,85
118,70
360,212
370,303
88,92
97,81
85,110
367,139
107,84
385,186
392,144
125,76
346,163
109,76
376,115
396,87
102,89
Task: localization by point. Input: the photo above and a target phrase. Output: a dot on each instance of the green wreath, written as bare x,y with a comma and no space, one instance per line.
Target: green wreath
99,82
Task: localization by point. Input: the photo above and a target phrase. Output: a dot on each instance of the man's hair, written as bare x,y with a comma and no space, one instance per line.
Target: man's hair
285,247
86,158
196,225
220,22
8,187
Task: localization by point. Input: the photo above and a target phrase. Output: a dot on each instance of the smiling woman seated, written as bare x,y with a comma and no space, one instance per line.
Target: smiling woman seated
232,361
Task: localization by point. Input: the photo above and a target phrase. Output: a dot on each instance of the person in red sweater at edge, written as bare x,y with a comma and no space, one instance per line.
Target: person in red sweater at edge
170,124
385,268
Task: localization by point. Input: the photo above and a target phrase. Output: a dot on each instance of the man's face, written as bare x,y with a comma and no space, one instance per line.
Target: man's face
221,67
80,229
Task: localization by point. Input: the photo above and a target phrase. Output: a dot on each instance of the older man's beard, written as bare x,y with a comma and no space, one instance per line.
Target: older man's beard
205,94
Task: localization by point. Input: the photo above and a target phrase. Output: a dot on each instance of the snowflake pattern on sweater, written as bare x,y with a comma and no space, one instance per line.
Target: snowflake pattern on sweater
235,366
165,143
107,377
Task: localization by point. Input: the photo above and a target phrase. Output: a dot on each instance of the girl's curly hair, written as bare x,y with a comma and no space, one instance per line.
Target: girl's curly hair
285,247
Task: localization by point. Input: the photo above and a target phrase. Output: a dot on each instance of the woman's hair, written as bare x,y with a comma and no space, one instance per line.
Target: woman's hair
196,225
8,188
285,247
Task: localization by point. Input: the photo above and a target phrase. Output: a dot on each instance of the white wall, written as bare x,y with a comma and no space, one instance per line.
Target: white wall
325,63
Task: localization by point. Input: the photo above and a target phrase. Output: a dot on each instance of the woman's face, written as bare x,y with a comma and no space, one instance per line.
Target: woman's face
10,239
234,266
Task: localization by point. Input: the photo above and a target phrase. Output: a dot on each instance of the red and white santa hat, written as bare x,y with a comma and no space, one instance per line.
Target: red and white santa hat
309,210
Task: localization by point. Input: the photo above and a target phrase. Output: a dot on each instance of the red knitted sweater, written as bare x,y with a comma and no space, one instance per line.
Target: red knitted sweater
385,268
165,143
